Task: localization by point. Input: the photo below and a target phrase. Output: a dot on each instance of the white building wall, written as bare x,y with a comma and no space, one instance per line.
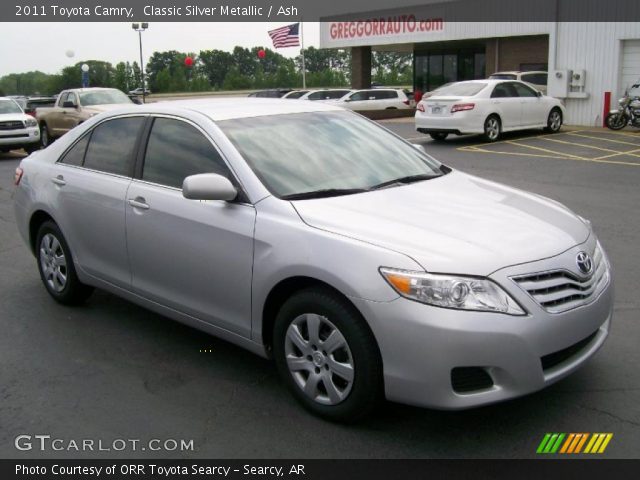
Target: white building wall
595,47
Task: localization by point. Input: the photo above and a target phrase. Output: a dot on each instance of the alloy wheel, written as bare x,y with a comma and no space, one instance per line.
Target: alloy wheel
319,359
492,128
555,121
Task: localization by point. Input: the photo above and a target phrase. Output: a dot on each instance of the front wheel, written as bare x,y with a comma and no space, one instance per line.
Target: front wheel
554,121
56,267
439,136
492,128
327,356
45,136
616,121
32,148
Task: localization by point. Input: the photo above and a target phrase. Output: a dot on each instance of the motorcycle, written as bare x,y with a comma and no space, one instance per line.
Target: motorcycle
627,114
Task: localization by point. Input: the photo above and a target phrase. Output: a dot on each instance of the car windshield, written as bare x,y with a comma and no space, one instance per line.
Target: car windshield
9,106
296,94
325,152
502,76
103,97
462,89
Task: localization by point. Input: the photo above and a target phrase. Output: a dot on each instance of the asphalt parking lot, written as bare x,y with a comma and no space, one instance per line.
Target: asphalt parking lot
110,369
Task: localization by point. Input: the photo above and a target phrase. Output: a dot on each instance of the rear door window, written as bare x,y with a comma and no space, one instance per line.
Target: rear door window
112,145
75,155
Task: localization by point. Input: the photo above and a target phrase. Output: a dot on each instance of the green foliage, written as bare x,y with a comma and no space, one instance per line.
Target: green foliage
217,69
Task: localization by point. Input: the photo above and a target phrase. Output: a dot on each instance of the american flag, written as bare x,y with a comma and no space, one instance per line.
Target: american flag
286,36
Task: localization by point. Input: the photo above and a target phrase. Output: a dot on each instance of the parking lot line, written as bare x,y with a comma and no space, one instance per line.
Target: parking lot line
617,152
576,134
553,152
484,150
631,153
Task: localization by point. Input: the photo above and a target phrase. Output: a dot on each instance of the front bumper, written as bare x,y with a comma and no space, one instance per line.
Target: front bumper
421,344
19,138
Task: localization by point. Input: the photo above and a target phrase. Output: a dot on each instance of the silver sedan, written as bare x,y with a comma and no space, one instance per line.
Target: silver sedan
306,233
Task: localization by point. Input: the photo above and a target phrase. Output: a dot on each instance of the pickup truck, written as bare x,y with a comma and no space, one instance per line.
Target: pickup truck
74,107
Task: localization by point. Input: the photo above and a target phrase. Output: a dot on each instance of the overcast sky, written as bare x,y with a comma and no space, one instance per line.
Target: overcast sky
42,46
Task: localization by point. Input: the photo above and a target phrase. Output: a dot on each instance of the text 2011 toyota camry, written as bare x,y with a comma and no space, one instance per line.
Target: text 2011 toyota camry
304,232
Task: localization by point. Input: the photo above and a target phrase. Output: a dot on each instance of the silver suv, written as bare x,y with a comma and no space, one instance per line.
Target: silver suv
306,233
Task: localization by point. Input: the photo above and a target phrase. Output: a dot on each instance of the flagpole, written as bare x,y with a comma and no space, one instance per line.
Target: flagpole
304,78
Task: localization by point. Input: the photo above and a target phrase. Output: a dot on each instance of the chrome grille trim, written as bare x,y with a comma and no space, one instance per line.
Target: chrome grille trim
12,125
560,290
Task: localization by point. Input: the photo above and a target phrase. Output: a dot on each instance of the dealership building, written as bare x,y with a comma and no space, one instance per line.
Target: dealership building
585,60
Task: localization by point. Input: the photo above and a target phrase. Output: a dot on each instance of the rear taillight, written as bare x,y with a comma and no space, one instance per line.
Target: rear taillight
421,107
18,176
462,107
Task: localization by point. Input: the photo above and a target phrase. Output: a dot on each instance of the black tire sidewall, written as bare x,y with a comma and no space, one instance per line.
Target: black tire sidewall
367,389
549,129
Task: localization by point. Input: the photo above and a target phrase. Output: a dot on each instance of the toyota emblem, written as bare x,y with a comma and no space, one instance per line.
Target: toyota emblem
584,263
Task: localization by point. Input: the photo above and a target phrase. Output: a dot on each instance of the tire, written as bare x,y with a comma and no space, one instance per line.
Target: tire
439,136
45,136
554,121
32,148
345,383
616,121
5,150
55,264
492,128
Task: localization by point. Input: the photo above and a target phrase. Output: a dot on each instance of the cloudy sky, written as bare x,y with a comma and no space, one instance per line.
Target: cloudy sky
43,46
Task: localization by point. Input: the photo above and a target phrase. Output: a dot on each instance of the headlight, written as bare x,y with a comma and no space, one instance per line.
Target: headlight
464,293
30,122
585,221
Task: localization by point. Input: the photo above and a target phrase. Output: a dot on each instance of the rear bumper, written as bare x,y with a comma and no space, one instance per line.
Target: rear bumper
458,123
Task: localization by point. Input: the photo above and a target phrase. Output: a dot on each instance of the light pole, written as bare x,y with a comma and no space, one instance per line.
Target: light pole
141,27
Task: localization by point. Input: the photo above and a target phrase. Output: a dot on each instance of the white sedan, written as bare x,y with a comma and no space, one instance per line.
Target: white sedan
489,107
375,99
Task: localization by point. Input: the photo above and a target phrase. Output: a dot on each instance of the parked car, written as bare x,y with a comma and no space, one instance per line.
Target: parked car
272,93
490,107
431,93
17,129
74,107
140,91
375,99
326,94
537,79
312,235
294,94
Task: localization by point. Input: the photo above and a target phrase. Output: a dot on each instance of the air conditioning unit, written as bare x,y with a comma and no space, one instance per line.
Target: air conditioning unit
558,83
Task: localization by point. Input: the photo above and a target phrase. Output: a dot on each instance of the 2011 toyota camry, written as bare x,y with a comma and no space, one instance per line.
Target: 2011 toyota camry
309,234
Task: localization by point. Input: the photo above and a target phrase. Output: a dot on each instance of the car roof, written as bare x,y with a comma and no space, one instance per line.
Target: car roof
518,72
237,107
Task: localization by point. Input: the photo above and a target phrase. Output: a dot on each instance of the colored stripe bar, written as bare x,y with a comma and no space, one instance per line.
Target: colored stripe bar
555,447
543,443
576,439
596,445
590,444
550,443
567,442
605,443
581,442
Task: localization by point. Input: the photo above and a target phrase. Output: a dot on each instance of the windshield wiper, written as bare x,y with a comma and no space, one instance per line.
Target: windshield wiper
328,192
405,180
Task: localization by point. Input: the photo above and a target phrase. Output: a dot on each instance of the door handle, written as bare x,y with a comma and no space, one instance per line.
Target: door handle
59,180
138,202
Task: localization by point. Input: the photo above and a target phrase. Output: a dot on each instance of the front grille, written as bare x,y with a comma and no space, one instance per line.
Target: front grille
470,379
556,358
560,290
11,125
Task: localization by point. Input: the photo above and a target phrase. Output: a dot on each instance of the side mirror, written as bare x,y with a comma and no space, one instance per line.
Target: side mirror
347,100
418,147
69,104
208,186
538,93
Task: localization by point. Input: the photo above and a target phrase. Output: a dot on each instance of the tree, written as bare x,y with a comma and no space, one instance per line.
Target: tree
214,64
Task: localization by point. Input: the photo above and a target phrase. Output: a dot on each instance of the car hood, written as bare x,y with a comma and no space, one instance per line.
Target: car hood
453,224
14,117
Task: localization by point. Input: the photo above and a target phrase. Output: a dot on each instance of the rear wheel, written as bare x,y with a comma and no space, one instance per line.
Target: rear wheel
439,136
554,121
492,128
327,356
56,267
